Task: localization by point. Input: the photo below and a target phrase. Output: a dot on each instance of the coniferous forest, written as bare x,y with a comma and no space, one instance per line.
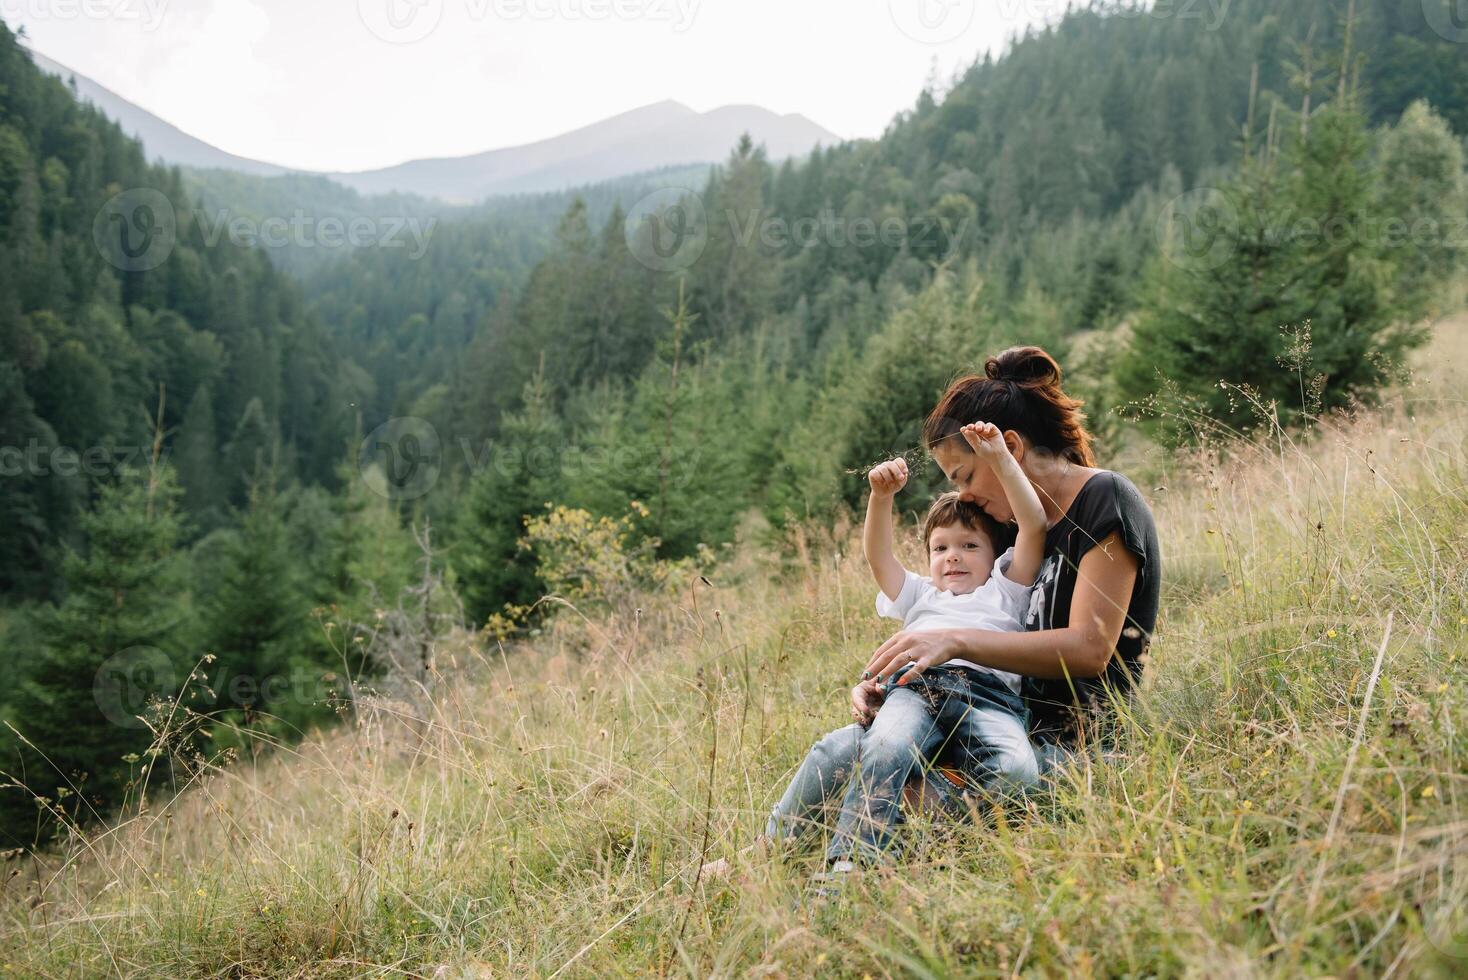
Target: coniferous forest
237,471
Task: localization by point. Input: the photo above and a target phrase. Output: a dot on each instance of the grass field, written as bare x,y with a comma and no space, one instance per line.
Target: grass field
1291,798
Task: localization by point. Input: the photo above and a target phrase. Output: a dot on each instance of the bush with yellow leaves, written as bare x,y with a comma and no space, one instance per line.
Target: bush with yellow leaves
601,563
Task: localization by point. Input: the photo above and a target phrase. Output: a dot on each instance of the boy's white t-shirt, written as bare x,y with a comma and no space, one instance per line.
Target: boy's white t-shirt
999,604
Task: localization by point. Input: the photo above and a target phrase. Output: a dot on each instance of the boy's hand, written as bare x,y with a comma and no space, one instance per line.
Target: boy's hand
888,478
866,699
985,439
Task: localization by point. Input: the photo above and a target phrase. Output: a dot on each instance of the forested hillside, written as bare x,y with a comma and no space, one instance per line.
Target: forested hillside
218,464
172,421
113,309
1047,185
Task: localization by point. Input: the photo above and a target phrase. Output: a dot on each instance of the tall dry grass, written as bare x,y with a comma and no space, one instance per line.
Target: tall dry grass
1289,799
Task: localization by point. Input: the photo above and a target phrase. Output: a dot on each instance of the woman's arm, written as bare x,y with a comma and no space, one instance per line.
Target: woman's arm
1082,648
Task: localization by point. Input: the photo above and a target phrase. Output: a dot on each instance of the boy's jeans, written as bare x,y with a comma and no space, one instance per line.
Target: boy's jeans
954,707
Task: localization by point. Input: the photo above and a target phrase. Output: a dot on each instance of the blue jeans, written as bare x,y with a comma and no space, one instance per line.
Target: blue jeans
947,708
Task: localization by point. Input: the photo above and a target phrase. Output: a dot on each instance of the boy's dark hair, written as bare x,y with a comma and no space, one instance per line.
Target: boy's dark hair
948,510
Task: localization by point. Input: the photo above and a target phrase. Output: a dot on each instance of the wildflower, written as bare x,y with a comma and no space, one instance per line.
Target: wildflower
200,892
1428,792
1442,688
1330,634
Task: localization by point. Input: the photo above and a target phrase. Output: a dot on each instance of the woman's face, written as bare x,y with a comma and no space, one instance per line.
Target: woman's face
974,479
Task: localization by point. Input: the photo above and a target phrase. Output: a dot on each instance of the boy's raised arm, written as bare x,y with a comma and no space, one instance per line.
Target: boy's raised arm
1029,544
876,538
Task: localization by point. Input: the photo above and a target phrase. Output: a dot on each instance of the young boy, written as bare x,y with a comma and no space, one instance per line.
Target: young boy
968,706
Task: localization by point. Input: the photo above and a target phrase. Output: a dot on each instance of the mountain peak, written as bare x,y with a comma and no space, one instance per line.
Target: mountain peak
648,137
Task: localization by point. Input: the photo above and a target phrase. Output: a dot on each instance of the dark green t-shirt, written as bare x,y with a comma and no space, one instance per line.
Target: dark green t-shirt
1109,503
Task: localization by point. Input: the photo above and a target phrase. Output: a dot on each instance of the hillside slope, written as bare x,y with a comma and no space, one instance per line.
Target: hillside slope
1289,799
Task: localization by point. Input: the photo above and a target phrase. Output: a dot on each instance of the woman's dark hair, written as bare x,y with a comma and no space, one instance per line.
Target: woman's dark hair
1020,390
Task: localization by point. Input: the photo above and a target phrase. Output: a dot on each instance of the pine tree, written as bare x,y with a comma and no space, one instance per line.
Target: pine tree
1287,306
1423,204
109,647
197,459
520,475
254,610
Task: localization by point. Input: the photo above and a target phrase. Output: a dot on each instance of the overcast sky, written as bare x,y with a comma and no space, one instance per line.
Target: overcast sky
357,84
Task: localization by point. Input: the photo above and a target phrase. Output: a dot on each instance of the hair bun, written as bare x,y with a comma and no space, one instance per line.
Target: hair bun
1029,366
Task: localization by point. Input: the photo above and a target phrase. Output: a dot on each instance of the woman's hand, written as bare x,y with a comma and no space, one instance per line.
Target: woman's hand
866,698
922,650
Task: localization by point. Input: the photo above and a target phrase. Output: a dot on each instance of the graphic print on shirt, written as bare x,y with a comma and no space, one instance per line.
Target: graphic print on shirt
1035,618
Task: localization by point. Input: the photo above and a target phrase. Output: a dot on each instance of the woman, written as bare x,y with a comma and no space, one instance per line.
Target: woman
1094,603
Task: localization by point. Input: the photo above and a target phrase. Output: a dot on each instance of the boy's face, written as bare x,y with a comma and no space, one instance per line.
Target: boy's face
959,559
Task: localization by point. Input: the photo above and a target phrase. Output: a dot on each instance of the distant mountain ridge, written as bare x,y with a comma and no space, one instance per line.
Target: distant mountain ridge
648,138
160,139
